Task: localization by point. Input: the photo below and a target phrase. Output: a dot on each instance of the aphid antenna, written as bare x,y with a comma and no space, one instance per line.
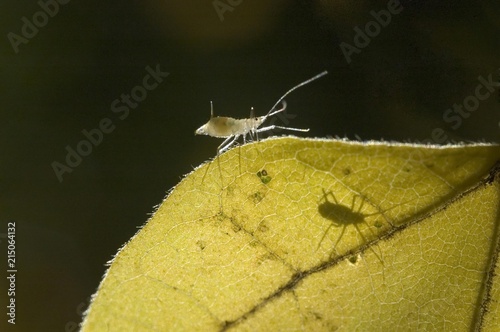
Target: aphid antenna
270,113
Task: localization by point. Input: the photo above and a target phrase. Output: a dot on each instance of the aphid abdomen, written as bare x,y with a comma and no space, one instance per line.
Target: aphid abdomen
221,127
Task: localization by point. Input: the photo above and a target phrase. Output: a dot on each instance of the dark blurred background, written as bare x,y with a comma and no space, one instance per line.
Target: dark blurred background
238,53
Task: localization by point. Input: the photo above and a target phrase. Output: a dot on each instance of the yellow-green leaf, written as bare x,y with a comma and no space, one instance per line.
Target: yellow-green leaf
317,235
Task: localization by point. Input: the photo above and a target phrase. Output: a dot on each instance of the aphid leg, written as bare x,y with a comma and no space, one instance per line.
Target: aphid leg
260,130
252,136
251,132
208,167
239,158
225,145
221,149
239,151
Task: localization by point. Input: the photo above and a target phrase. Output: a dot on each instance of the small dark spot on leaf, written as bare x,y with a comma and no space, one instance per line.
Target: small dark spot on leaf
262,173
353,259
221,216
346,171
257,197
262,258
201,244
230,190
263,228
263,176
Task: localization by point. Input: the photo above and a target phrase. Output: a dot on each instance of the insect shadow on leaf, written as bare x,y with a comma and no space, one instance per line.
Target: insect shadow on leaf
343,215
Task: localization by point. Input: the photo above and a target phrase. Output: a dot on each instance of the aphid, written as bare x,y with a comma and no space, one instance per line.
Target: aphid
231,129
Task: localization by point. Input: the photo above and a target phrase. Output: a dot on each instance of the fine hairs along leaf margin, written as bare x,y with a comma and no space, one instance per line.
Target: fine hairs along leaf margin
315,234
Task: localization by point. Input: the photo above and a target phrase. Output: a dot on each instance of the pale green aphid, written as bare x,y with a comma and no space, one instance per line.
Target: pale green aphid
232,129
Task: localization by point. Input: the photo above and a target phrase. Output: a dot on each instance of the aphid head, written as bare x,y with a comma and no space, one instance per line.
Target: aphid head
202,130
